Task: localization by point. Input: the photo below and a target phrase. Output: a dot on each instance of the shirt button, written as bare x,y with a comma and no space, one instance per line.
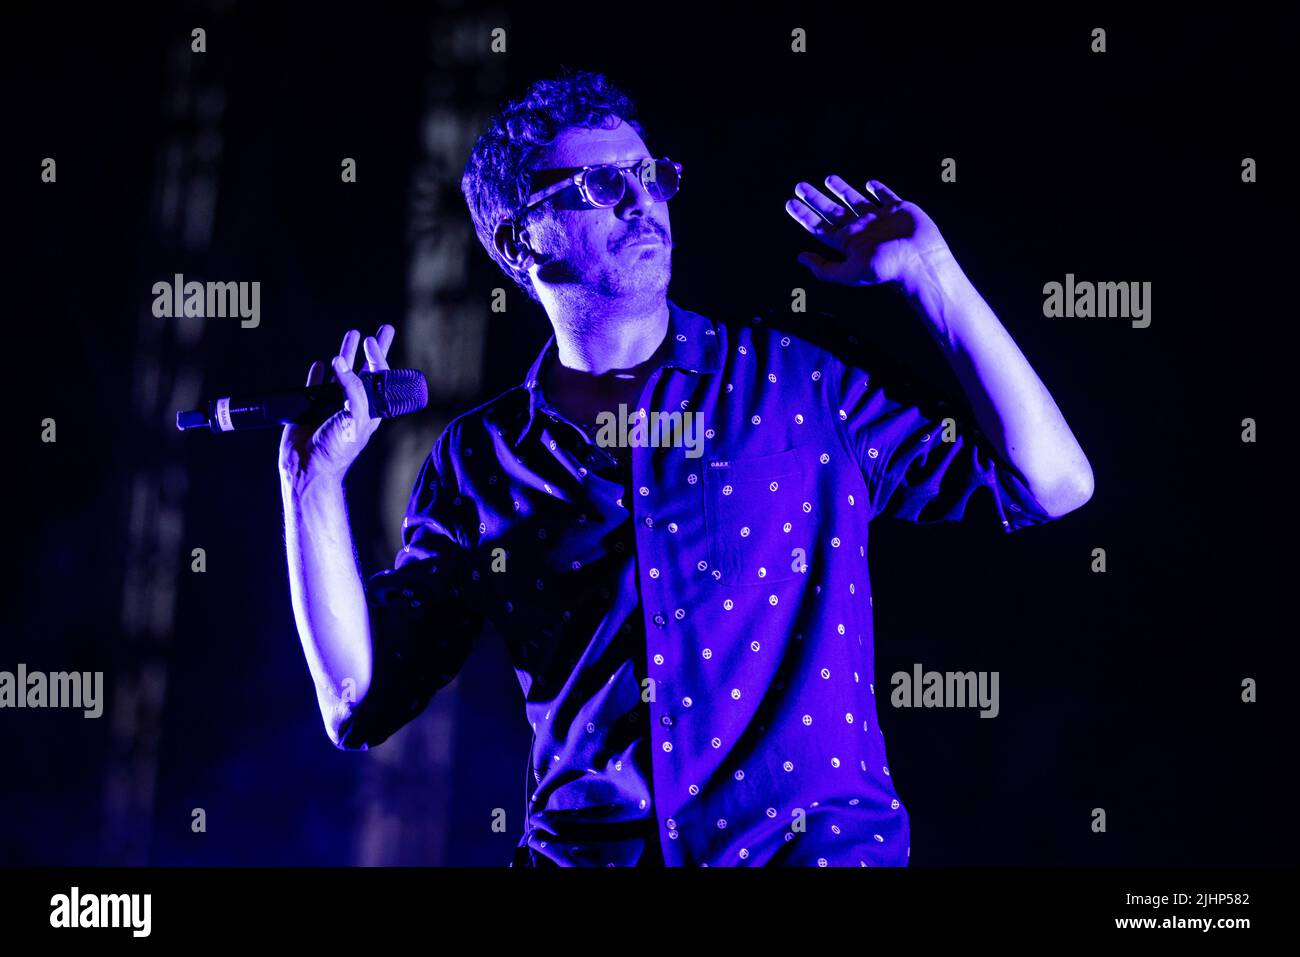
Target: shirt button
660,620
649,522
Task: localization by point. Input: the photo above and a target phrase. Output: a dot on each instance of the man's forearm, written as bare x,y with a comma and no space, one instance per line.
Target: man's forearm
329,601
1010,402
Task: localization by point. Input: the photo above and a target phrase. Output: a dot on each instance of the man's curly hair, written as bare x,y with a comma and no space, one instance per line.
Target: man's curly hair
496,180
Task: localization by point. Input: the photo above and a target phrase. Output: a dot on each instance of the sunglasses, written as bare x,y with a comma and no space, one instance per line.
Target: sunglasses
604,185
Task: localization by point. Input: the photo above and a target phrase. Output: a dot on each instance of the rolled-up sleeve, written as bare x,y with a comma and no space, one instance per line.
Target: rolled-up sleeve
422,623
924,459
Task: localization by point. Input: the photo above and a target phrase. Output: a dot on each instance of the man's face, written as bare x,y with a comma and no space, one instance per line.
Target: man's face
599,248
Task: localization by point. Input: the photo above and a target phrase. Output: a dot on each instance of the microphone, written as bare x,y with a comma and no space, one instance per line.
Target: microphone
389,392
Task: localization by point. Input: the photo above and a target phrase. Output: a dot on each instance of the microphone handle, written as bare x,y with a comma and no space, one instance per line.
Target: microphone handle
388,393
310,404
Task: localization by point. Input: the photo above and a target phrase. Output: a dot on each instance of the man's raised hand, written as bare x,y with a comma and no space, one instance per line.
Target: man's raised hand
310,452
881,239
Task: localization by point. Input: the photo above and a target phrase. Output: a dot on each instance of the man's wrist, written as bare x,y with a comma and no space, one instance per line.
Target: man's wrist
935,272
306,491
938,289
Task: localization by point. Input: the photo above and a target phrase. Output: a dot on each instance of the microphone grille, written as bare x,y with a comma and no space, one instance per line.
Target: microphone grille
401,391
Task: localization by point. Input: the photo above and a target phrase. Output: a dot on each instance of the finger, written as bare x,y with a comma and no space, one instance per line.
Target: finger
356,401
820,266
316,374
883,190
849,196
375,360
831,211
377,346
809,220
349,348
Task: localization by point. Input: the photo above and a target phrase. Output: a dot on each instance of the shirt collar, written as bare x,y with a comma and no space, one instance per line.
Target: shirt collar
692,347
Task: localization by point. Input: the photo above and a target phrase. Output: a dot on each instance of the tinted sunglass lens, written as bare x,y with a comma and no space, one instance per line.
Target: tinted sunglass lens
665,182
605,185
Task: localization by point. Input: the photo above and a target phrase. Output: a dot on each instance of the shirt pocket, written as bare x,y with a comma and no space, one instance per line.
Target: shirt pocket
758,525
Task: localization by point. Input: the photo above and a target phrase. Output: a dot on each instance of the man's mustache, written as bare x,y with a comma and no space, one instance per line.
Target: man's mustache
649,231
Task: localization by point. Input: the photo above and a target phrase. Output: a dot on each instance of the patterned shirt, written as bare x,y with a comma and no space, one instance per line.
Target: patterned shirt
693,636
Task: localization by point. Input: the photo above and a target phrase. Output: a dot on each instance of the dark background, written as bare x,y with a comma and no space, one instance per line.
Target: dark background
1118,690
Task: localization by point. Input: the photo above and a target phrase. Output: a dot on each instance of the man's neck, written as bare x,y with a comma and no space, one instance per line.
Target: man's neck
582,396
611,339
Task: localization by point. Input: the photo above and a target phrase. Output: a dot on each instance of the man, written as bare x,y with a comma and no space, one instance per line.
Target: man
690,620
